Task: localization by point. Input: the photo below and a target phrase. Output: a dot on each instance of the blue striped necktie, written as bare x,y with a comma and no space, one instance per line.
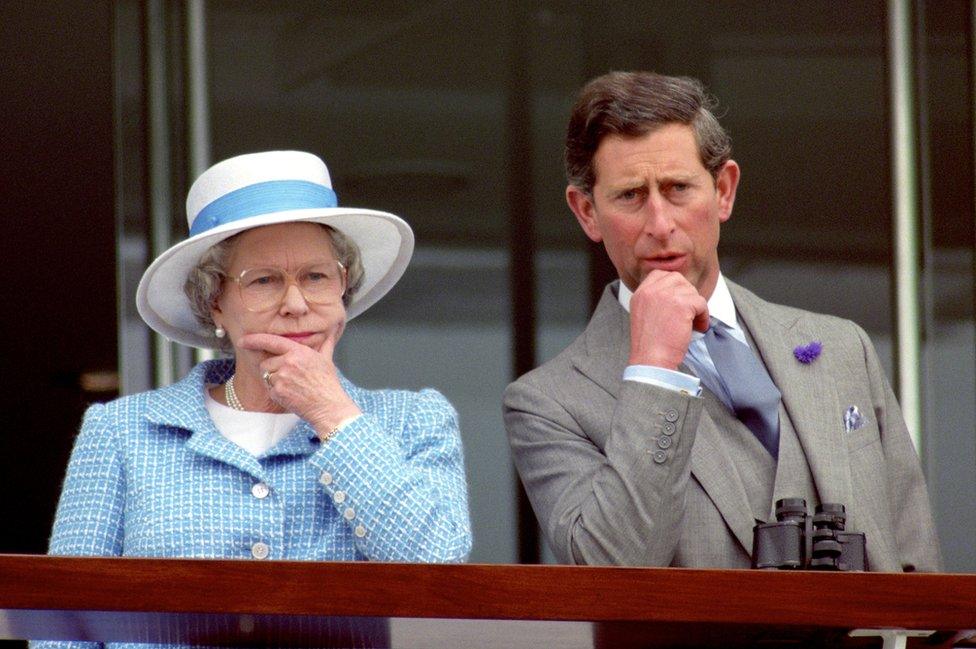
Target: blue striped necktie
750,392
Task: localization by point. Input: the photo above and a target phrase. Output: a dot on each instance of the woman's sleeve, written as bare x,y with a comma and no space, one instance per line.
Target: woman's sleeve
89,515
397,478
89,520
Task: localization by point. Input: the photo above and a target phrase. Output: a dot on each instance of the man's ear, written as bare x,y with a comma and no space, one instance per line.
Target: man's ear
726,183
582,205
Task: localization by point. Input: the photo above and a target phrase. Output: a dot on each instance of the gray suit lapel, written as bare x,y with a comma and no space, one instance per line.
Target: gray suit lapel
808,393
606,344
713,468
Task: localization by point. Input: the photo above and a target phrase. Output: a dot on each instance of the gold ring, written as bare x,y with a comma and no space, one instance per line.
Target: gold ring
266,377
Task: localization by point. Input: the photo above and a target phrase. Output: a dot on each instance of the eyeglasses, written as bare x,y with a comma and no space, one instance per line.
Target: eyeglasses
263,289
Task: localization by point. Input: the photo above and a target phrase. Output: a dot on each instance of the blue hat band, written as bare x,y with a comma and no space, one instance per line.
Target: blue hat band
263,198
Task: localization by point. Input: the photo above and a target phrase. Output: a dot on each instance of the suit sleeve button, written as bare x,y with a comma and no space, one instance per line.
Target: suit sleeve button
664,441
668,428
660,456
671,415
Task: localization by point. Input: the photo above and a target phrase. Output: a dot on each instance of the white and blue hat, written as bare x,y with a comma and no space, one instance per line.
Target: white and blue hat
254,190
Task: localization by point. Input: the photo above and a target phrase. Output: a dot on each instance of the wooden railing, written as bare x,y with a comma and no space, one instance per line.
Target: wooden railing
458,606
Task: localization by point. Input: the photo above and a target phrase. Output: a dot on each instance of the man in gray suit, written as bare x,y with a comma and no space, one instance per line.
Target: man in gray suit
639,444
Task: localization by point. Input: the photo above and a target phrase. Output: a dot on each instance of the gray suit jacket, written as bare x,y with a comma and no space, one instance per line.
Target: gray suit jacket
585,443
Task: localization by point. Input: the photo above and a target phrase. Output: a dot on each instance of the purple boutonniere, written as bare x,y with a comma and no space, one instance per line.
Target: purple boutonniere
808,353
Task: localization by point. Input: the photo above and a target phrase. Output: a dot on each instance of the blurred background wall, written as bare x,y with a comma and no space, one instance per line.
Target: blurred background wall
451,114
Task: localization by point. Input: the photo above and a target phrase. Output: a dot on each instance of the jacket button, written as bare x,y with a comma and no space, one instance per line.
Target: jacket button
664,442
660,456
671,415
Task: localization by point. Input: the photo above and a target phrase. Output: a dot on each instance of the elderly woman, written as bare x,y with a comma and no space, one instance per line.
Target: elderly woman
270,453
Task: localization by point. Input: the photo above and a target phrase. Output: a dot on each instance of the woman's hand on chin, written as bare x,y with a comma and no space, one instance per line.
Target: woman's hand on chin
303,380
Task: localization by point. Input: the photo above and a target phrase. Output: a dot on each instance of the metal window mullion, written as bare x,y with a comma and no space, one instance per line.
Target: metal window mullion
905,212
118,107
160,205
521,233
198,108
926,218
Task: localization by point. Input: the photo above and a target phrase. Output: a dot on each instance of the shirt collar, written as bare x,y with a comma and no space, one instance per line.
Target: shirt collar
720,305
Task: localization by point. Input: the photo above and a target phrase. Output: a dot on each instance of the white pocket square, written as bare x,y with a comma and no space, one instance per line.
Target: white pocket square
853,419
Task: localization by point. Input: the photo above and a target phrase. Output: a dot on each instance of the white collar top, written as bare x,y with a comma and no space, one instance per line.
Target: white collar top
255,432
720,307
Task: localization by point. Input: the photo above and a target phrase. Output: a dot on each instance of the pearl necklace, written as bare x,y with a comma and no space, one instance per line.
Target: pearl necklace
231,395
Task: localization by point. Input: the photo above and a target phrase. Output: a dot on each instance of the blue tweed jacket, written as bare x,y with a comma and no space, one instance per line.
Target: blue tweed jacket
151,476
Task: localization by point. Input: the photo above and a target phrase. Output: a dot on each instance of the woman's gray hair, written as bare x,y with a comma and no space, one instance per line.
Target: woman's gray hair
206,280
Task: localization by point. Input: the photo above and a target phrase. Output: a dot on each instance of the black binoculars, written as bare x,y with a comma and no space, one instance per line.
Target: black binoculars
798,541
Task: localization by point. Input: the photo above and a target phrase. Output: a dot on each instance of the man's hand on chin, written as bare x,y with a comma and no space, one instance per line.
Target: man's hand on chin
664,310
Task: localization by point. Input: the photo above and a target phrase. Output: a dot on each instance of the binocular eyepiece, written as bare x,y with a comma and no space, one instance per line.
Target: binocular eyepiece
800,541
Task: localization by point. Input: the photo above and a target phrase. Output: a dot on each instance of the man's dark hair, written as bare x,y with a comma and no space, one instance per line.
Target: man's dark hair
632,104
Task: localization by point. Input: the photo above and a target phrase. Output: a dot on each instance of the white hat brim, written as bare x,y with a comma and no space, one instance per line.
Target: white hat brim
385,242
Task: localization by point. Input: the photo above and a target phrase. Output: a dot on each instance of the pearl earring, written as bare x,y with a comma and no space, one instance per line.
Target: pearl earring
220,332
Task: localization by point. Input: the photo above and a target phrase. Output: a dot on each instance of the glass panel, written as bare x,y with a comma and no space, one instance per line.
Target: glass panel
949,443
57,269
410,118
135,338
811,226
802,90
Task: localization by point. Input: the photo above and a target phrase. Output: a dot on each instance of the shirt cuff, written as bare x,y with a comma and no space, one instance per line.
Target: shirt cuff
664,378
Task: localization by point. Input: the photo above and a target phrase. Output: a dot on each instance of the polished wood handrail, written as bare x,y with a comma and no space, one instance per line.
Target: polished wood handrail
488,592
